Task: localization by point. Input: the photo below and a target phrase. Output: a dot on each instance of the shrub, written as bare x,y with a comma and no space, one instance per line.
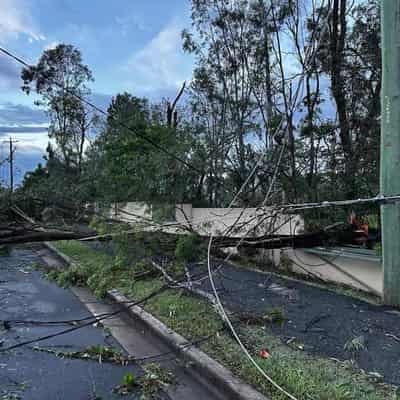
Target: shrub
72,276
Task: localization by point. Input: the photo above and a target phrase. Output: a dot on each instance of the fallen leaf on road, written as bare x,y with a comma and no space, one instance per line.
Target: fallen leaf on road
264,353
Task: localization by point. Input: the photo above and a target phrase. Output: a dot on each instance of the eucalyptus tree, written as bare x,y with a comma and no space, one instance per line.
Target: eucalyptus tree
128,167
233,87
61,79
351,58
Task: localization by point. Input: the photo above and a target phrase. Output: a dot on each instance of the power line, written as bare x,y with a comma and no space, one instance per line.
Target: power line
90,322
158,356
87,320
379,199
101,111
210,243
220,306
156,145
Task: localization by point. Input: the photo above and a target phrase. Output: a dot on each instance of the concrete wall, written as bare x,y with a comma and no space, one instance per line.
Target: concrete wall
243,221
131,212
363,273
246,221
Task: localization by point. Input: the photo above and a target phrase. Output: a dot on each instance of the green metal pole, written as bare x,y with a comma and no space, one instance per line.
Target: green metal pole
390,149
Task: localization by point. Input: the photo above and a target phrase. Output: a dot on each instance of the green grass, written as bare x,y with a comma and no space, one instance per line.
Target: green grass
95,269
305,376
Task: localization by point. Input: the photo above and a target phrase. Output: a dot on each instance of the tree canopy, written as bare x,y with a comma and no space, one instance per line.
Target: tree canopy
278,87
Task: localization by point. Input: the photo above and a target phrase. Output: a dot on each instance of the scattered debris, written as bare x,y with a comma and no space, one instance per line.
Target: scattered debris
11,396
375,375
283,291
151,382
356,345
314,321
14,394
394,312
290,340
396,338
129,383
251,319
96,353
276,315
154,379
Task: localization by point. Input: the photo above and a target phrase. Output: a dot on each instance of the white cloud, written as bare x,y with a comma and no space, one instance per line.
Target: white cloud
15,20
27,142
52,45
161,63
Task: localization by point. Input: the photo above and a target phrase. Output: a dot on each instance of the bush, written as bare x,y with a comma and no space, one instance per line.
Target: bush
72,276
97,269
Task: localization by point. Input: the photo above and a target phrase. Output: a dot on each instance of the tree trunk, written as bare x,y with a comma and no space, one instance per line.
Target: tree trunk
338,37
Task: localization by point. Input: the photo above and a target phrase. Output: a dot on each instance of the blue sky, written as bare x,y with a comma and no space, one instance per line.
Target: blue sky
131,45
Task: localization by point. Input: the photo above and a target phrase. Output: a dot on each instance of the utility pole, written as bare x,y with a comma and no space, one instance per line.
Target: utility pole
390,149
11,166
10,160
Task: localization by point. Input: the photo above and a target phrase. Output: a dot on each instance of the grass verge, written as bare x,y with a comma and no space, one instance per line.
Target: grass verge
305,376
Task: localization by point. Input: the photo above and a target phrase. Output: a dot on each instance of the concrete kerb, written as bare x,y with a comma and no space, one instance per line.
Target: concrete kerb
201,363
59,254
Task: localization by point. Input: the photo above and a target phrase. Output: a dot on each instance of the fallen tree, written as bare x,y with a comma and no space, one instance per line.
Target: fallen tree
23,229
38,236
335,236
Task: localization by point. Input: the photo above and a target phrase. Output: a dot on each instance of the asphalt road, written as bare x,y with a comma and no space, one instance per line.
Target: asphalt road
322,321
26,373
